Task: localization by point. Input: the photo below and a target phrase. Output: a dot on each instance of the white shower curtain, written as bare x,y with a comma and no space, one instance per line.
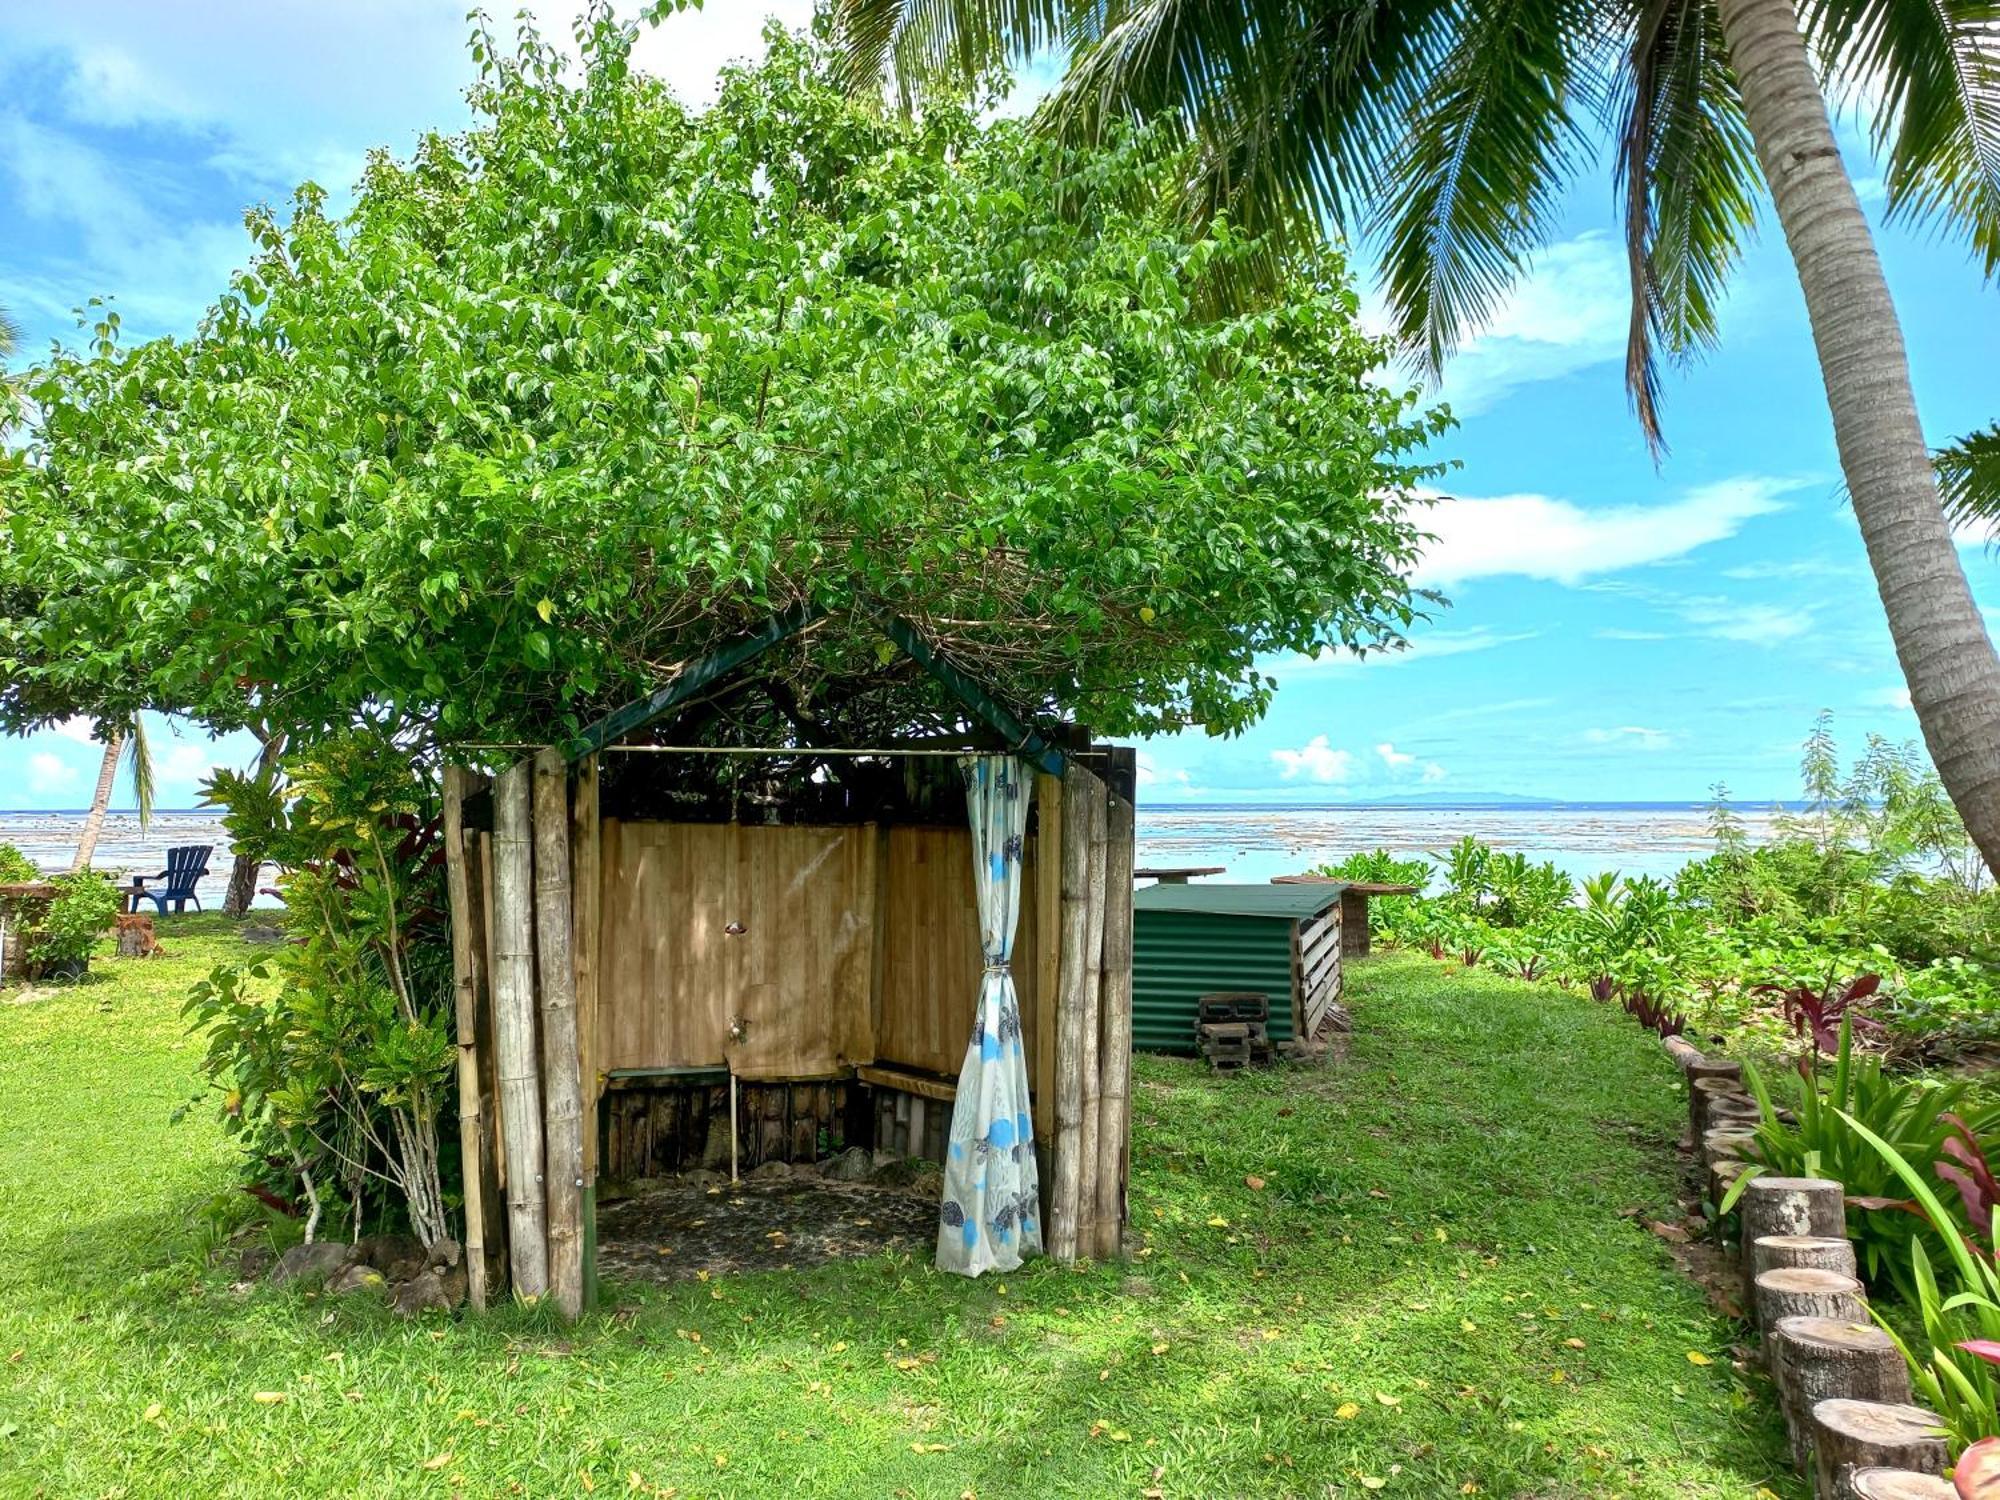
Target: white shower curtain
991,1214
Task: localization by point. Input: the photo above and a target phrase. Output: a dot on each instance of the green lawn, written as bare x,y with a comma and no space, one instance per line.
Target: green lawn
1433,1291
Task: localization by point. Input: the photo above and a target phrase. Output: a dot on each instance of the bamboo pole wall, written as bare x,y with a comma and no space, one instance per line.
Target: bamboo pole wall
1114,1055
485,1232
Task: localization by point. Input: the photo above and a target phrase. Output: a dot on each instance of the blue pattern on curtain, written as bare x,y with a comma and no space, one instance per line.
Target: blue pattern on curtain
991,1214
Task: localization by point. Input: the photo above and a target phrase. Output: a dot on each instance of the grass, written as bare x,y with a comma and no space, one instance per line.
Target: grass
1433,1293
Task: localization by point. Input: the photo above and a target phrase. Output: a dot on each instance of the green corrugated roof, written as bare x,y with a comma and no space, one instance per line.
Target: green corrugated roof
1295,902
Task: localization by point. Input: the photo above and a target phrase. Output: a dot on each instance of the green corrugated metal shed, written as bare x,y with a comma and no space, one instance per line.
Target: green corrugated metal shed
1194,940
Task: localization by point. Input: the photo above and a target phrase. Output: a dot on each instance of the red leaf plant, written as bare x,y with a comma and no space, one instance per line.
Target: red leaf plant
1817,1011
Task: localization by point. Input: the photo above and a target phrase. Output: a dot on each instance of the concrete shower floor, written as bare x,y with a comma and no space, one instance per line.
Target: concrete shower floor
671,1231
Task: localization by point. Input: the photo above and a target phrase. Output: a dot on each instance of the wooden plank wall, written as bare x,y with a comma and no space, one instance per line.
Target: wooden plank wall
931,961
1321,947
786,996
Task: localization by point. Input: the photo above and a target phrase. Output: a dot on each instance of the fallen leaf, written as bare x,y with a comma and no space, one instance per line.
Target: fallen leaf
1468,1326
1673,1234
437,1463
1370,1482
1572,1343
1218,1222
930,1447
1347,1411
268,1398
1388,1400
1161,1348
1254,1183
1696,1357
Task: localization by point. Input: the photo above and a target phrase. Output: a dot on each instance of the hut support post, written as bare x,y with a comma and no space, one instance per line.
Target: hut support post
1088,1159
587,886
1065,1200
1114,1134
514,1030
562,1081
465,888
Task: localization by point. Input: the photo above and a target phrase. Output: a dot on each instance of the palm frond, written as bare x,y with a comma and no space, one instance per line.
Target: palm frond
1928,72
1481,169
1969,480
10,335
139,754
951,43
1687,170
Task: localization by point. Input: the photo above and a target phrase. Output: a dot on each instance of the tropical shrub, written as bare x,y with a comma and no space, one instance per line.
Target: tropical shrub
16,867
80,913
333,1056
1918,1118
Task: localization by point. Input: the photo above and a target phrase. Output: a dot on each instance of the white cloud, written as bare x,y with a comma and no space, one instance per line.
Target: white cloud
1393,758
186,763
48,772
1427,644
1316,760
1433,772
1755,624
1569,313
1614,633
1630,737
1889,697
1537,536
80,728
1150,774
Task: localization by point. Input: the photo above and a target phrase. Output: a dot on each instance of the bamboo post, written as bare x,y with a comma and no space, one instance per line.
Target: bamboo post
1048,959
514,1030
562,1073
1114,1102
1801,1293
1816,1359
586,896
1093,1007
1854,1435
1065,1204
485,1226
1788,1205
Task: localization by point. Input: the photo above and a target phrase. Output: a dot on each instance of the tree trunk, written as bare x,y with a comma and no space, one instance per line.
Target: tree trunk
243,874
1941,640
100,803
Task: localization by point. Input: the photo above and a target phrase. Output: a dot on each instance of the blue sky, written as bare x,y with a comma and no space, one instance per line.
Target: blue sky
1617,632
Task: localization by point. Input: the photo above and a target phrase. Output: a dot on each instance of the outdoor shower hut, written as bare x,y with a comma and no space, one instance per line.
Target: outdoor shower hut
622,927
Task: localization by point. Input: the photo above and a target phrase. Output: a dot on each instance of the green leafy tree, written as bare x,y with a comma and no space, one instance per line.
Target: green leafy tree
1449,131
568,400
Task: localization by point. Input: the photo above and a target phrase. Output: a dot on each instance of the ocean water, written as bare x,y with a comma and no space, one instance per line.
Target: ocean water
1251,843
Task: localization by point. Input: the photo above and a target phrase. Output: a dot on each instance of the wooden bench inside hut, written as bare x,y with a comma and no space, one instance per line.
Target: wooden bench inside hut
712,933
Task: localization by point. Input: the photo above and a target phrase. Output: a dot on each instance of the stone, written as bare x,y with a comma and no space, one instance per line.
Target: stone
445,1254
396,1256
910,1172
254,1262
358,1277
855,1164
770,1169
452,1280
261,934
312,1263
420,1294
702,1177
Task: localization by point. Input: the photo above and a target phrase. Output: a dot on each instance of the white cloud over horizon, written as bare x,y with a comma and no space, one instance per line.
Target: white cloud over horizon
1316,760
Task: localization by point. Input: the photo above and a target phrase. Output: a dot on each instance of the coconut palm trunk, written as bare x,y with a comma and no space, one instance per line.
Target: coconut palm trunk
100,803
1940,636
243,874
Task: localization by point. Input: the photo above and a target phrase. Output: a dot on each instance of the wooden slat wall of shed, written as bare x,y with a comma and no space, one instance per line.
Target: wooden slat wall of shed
672,979
1321,948
931,960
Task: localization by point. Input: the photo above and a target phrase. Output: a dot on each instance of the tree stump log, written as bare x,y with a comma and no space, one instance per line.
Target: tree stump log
1722,1174
1899,1484
1789,1205
1802,1252
1727,1144
1684,1052
1702,1091
1853,1436
1820,1359
1808,1294
1726,1111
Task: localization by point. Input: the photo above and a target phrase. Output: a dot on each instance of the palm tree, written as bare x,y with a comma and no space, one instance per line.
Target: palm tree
1447,130
124,740
1969,477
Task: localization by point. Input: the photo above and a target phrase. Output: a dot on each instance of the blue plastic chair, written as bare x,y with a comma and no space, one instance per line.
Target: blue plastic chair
185,868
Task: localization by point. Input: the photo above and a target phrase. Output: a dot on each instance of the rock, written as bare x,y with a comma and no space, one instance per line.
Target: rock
254,1262
312,1263
771,1169
261,934
444,1255
396,1256
357,1277
419,1294
452,1279
702,1177
911,1172
855,1164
